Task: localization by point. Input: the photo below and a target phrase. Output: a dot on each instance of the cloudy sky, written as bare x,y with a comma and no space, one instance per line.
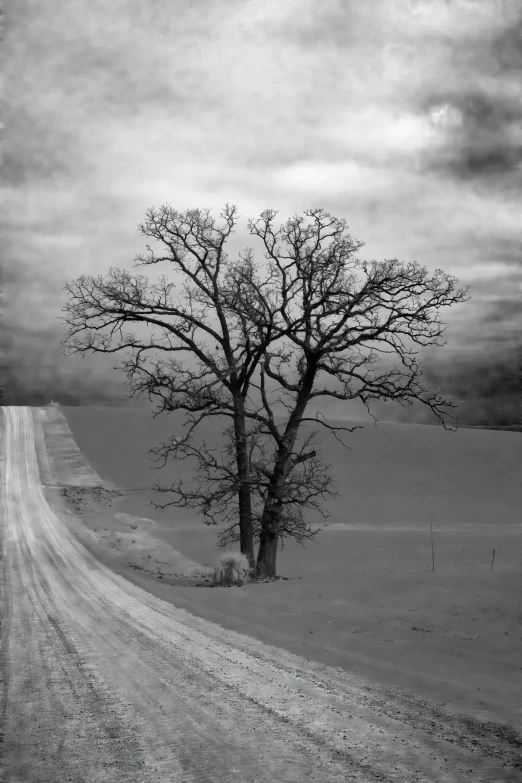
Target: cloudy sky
402,116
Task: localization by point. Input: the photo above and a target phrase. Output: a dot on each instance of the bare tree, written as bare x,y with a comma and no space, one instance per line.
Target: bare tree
339,319
207,352
314,321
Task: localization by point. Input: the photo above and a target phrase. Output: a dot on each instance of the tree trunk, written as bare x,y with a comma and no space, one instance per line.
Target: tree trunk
246,533
266,558
269,537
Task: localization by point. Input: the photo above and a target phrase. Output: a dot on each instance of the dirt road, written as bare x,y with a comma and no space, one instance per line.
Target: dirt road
104,682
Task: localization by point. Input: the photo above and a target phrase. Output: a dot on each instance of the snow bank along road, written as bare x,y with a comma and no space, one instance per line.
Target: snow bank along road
104,682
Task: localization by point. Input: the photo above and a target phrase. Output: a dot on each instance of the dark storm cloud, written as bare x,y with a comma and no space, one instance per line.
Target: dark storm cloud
484,383
479,103
35,151
485,139
506,47
34,371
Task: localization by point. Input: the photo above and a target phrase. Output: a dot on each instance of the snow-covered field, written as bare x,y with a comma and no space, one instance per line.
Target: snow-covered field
106,681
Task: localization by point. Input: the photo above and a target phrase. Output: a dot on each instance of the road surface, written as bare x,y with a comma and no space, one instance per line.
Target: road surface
104,682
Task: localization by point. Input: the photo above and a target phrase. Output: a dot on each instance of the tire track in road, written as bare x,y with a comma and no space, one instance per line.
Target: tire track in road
106,682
